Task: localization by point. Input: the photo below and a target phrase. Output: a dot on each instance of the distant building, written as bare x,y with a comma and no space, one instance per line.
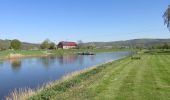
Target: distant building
67,45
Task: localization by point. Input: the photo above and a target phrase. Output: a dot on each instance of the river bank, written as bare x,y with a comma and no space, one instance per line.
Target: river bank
14,54
33,72
125,79
65,83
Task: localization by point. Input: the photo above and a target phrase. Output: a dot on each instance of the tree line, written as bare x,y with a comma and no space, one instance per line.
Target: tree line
164,46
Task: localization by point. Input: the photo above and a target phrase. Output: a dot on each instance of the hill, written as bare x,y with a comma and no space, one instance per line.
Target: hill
144,43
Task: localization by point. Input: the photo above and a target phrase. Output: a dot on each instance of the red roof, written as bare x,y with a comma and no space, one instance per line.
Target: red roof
68,43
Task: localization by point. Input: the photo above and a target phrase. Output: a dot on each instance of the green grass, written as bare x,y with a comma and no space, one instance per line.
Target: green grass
3,54
126,79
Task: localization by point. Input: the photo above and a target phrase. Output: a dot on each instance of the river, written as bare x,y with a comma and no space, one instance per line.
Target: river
35,71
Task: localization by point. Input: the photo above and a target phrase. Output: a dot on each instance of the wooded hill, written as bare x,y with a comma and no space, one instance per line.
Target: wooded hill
136,43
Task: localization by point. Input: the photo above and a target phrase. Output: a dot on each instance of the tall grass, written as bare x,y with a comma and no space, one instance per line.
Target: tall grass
21,94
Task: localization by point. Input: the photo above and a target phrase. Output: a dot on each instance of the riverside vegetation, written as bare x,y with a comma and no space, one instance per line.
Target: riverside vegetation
126,79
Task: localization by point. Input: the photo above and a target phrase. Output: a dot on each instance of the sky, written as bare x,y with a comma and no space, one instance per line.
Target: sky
87,20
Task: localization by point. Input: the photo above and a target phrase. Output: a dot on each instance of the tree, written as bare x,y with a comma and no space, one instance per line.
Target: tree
165,46
166,17
45,44
80,43
91,46
15,44
52,45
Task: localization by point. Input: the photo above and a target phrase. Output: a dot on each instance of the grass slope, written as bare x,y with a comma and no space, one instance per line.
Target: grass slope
145,79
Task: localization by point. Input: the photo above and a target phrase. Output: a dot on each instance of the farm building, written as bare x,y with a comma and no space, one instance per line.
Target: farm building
66,45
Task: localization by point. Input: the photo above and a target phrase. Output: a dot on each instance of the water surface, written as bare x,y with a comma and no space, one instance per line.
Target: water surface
33,72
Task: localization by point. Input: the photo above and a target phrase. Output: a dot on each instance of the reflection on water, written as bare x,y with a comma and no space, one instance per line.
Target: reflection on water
1,63
70,59
81,60
33,72
67,59
16,64
45,61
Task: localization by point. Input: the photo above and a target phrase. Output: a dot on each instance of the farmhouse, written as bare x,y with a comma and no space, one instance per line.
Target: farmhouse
66,45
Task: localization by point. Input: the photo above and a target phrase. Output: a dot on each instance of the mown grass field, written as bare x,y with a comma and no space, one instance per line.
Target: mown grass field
126,79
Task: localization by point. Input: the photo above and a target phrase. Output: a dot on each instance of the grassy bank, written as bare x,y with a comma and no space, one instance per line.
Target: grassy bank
126,79
27,53
5,54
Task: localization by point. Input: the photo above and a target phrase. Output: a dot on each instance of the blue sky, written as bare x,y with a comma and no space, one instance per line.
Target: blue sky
86,20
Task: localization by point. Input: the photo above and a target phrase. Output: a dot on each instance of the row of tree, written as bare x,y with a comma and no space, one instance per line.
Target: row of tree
46,44
165,46
18,45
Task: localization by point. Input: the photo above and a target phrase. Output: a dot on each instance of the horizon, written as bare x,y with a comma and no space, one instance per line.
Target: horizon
87,20
95,41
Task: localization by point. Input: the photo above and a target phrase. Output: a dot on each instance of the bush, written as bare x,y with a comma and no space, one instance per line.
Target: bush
45,44
136,58
15,44
52,45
